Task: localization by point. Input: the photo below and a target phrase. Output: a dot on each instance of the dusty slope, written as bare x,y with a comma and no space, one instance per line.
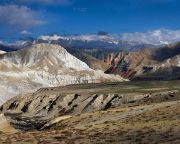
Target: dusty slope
156,123
141,112
44,65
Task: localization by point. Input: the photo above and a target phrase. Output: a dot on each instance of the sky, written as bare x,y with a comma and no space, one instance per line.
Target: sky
22,18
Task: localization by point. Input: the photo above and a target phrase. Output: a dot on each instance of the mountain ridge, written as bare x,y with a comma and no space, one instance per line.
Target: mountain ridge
161,63
44,65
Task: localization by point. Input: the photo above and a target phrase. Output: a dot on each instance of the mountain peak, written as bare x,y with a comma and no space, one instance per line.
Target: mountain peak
44,65
46,54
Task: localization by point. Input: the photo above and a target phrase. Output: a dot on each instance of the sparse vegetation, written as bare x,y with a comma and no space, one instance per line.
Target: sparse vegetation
155,118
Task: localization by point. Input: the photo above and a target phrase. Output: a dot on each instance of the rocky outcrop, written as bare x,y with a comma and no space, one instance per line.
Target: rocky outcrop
47,106
35,111
44,65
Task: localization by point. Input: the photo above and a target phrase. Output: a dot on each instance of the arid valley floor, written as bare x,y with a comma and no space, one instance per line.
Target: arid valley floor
147,112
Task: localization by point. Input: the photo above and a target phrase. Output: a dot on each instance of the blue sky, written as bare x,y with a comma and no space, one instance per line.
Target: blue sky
36,17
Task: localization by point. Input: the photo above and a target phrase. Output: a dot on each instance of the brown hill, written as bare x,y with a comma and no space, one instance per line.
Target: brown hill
161,63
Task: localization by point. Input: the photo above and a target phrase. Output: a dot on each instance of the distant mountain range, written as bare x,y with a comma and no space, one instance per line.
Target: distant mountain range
151,38
103,40
94,41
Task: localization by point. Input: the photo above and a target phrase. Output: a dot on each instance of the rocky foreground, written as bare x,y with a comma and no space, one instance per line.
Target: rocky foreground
129,112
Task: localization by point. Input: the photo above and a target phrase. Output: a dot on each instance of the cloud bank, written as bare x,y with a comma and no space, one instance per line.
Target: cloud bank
19,17
155,37
160,36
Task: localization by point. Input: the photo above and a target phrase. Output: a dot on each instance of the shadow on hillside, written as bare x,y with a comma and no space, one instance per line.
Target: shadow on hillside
166,52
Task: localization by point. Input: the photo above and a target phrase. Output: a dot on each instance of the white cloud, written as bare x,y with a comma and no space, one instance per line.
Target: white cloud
25,32
54,2
160,36
19,17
